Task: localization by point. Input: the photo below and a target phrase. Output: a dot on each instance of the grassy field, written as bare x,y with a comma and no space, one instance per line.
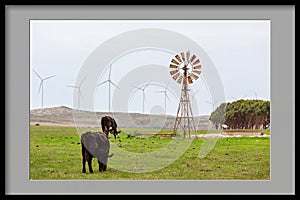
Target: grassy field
55,154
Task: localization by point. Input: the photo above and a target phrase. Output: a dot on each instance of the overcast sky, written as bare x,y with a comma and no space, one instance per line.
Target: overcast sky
239,49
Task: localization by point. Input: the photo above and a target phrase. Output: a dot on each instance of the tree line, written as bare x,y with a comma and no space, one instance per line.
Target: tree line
242,114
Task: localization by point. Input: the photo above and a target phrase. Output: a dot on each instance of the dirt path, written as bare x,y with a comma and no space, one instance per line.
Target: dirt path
220,135
199,136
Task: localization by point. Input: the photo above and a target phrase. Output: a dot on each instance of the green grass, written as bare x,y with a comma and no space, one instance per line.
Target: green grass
160,131
267,132
55,154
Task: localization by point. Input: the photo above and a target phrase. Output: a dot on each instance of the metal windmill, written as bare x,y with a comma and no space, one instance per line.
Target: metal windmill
78,87
41,87
143,90
185,69
109,86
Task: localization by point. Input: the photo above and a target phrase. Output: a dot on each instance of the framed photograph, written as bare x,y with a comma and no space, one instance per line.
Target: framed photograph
177,100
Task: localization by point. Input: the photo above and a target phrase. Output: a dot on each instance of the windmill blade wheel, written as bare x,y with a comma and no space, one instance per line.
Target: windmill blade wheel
190,80
185,66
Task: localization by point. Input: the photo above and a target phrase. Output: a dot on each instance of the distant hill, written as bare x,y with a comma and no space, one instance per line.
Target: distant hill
64,116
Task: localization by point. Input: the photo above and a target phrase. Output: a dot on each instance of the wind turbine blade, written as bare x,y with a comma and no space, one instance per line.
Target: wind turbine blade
167,96
109,74
101,83
196,92
82,81
138,88
114,84
167,85
209,102
79,91
48,77
40,86
71,86
147,84
160,91
216,101
37,74
168,90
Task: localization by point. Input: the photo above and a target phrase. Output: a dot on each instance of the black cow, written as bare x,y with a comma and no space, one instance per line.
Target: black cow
95,144
109,125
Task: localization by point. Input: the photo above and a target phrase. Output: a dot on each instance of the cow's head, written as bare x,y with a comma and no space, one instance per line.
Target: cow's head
114,132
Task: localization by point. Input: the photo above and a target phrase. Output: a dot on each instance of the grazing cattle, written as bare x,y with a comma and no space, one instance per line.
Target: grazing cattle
224,126
109,125
95,144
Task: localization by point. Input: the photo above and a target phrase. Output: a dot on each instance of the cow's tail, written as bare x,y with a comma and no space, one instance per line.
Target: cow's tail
111,155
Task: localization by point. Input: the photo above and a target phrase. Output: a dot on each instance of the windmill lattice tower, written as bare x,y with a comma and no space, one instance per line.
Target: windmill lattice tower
185,69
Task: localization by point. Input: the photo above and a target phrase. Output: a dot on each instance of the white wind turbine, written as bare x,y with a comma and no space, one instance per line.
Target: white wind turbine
194,94
78,87
166,96
143,90
213,103
213,106
237,98
41,87
109,87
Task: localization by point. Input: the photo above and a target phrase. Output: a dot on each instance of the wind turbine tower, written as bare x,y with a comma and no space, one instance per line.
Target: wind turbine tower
109,87
78,87
143,90
213,103
166,96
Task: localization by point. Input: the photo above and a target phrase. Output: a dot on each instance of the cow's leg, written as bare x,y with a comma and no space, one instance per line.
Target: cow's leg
90,163
103,128
104,164
83,160
104,167
100,166
113,131
83,165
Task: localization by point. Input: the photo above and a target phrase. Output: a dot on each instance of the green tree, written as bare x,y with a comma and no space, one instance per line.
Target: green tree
242,114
